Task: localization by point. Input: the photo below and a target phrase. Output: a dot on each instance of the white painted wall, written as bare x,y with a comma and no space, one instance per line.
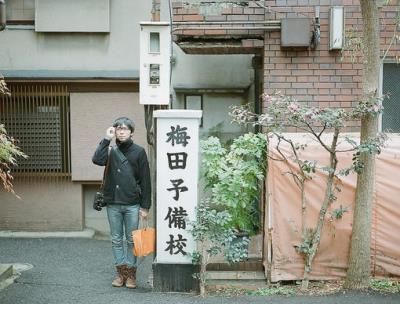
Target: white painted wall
84,16
114,51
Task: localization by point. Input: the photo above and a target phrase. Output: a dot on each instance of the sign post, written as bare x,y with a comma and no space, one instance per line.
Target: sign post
177,196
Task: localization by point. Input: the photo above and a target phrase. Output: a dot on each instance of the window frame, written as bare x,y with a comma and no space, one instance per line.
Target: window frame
201,105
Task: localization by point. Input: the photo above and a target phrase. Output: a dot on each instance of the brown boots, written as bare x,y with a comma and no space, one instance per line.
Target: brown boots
125,275
119,280
130,277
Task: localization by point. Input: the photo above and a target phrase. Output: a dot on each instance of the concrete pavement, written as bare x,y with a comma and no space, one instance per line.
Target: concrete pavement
71,270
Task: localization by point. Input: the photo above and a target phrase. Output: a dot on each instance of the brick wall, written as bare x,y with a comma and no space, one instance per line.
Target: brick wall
232,16
319,77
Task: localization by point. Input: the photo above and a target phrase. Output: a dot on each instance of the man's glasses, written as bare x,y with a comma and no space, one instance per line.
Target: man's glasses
122,129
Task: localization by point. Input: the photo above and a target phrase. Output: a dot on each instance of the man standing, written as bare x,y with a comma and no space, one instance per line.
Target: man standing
127,193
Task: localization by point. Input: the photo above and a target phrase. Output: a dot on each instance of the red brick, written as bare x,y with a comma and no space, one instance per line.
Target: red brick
324,91
302,85
280,60
259,11
193,18
248,11
193,32
215,18
226,11
280,85
324,85
256,32
237,11
303,73
290,91
191,11
325,98
344,98
256,17
281,73
177,18
281,66
215,32
329,72
269,66
237,32
238,18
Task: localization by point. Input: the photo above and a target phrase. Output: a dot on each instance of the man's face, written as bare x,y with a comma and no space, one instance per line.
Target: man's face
122,133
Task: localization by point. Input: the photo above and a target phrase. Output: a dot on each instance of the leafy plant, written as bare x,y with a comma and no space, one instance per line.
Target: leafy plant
214,235
385,285
283,112
234,177
9,151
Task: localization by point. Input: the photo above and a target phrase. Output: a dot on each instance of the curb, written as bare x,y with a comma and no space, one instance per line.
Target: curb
6,271
86,234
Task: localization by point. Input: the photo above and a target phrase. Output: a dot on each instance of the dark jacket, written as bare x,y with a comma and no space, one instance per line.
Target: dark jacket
128,177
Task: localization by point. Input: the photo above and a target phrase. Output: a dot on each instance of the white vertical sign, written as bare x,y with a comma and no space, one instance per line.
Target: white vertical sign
177,178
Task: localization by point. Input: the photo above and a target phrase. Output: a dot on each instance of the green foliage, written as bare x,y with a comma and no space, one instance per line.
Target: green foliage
213,230
234,177
276,290
9,153
305,246
283,112
385,285
371,146
264,291
3,87
339,212
8,149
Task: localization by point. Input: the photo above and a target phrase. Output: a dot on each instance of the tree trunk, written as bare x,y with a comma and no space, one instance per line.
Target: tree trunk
360,252
203,270
322,213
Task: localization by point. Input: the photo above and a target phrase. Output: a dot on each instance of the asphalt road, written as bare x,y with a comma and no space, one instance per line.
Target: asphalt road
81,271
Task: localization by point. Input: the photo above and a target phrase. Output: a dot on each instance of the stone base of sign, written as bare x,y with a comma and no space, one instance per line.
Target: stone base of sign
175,278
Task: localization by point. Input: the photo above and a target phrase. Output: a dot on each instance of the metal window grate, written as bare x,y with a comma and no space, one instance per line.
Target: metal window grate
38,116
391,86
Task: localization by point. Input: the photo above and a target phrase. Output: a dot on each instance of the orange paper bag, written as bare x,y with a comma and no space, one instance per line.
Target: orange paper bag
143,241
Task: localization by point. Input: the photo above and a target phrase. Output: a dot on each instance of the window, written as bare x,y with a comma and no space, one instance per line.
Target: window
194,102
20,12
38,117
154,42
390,86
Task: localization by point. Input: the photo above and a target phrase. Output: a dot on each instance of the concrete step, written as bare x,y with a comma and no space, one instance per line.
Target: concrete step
235,275
86,233
6,271
250,265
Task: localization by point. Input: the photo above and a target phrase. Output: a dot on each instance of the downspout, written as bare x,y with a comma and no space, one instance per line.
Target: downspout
2,15
257,64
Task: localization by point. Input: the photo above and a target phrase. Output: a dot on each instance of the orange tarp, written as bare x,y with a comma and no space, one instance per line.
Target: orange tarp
283,213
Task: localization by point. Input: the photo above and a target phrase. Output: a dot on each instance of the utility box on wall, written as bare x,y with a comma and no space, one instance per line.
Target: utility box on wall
295,32
336,28
155,53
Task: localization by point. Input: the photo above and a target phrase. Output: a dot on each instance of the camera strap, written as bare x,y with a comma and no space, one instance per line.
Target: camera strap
106,169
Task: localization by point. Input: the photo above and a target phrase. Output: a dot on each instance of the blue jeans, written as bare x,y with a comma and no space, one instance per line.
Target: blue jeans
123,217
